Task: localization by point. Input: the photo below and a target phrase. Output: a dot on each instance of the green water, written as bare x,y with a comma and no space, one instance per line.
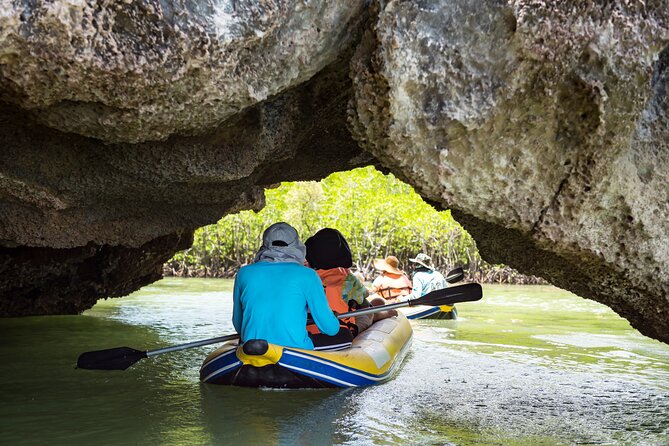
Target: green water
526,366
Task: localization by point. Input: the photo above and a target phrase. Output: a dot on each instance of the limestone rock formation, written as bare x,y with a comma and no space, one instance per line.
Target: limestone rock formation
70,204
131,71
543,125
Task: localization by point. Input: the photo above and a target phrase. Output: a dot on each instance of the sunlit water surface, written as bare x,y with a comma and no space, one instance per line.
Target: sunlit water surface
527,365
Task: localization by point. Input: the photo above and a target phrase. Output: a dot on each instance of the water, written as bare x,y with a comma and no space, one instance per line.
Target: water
527,365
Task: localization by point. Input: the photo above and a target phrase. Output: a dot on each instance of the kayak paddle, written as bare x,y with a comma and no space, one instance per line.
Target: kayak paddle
469,292
121,358
455,275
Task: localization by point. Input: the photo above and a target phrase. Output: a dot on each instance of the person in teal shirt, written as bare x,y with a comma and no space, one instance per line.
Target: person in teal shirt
425,278
272,296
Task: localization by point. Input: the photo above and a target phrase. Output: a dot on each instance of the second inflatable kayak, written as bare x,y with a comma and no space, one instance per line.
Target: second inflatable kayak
430,312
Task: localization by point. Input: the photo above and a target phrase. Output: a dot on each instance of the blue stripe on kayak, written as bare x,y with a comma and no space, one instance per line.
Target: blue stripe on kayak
425,313
220,365
325,370
335,373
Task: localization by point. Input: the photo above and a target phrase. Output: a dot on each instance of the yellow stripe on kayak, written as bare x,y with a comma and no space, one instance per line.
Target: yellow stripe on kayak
374,350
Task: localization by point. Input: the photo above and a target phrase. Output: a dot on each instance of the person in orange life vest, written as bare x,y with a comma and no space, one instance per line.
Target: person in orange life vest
393,283
329,253
375,302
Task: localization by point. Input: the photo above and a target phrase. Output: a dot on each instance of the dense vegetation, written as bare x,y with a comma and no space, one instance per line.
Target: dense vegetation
378,214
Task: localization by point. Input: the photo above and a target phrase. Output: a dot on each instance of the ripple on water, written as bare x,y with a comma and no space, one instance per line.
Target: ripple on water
444,394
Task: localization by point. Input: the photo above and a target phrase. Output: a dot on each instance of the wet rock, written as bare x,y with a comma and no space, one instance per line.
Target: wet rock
69,281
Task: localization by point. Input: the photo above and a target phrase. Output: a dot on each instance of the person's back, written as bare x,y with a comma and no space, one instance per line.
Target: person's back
272,296
392,283
425,278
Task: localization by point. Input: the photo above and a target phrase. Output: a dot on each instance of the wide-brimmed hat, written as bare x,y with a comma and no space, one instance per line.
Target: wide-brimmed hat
423,259
390,265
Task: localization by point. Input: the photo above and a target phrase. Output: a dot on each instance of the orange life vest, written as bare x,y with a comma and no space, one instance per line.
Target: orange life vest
333,282
390,285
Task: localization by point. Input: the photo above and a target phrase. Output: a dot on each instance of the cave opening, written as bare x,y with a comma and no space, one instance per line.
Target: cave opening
379,214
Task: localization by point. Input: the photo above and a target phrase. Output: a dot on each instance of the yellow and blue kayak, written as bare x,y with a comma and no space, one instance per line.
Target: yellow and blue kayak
373,358
430,312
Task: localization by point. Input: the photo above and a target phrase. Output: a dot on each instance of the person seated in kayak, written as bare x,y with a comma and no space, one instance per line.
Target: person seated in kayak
329,254
393,283
271,296
425,278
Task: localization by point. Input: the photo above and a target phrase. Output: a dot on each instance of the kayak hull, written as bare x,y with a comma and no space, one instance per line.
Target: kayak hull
374,357
429,312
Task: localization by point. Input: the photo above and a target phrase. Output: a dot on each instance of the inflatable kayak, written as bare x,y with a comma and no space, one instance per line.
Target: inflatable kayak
430,312
373,358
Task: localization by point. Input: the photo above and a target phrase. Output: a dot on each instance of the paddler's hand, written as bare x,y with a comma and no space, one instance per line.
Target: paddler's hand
384,314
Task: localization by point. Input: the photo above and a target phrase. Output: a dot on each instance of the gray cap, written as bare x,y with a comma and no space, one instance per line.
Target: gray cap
423,259
281,243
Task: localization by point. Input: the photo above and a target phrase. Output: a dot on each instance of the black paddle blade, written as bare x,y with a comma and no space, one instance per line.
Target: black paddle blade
111,359
468,292
455,275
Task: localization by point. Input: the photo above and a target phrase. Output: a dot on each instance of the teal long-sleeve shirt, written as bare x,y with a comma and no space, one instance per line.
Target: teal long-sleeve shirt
271,300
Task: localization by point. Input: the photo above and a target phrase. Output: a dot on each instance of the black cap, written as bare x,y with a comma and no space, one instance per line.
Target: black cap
328,249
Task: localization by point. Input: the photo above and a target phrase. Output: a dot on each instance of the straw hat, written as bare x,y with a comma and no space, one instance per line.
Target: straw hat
423,259
390,265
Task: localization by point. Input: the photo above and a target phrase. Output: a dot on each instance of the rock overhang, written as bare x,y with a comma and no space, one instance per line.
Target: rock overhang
542,125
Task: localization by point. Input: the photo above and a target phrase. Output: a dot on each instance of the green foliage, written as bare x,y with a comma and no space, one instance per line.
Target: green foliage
378,214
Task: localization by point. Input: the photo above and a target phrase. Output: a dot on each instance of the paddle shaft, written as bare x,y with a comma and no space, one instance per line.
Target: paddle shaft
174,348
446,296
369,310
438,297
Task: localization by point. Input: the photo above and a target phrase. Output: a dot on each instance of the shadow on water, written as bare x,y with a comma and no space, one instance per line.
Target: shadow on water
45,397
306,417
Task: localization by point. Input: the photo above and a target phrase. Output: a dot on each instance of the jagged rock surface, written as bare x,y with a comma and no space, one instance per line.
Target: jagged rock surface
543,125
69,281
74,200
131,71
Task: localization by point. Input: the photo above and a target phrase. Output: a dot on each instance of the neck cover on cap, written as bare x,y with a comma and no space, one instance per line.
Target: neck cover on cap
280,243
